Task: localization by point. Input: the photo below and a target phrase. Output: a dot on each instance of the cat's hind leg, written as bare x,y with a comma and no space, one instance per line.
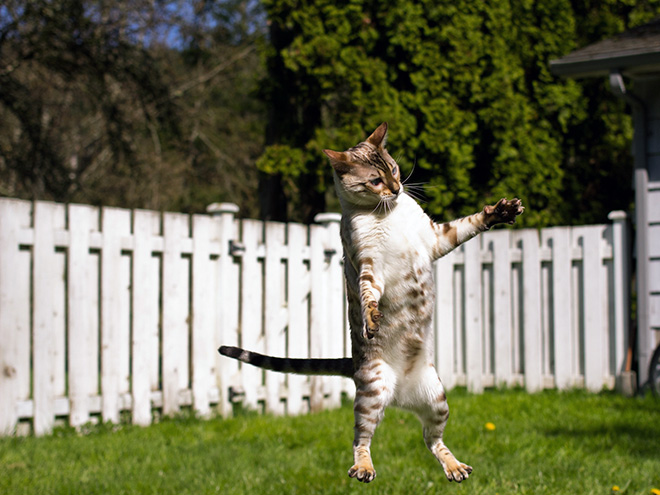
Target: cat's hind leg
374,391
433,412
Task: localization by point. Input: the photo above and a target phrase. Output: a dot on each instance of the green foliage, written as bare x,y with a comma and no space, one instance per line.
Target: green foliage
282,159
548,443
468,93
170,105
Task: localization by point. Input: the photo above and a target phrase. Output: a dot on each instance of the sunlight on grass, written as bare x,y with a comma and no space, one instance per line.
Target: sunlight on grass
548,443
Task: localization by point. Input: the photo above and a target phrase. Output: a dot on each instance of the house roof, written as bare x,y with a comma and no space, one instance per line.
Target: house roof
635,52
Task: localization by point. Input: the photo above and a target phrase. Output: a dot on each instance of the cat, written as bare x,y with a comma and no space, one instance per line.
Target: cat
389,248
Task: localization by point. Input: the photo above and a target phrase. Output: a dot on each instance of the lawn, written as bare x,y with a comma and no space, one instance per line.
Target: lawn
550,443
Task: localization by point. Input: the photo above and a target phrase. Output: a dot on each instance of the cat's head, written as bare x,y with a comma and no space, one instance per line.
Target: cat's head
366,175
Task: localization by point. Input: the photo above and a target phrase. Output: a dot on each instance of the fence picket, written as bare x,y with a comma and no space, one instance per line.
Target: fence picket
558,239
175,311
274,336
298,314
531,276
333,336
14,317
318,317
202,314
458,325
593,315
47,345
500,242
443,321
81,314
226,301
473,317
115,224
148,302
145,317
251,311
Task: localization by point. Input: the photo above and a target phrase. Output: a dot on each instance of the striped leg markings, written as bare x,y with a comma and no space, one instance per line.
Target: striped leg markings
371,397
370,293
434,419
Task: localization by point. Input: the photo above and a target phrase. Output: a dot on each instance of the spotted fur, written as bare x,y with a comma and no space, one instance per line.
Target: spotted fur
390,245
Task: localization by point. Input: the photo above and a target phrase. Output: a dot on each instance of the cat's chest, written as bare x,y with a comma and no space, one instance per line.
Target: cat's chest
397,245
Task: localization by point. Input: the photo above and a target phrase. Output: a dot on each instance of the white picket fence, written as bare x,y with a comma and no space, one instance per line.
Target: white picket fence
111,314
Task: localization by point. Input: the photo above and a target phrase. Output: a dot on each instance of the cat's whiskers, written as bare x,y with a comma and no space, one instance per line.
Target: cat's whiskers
378,206
410,174
416,191
416,195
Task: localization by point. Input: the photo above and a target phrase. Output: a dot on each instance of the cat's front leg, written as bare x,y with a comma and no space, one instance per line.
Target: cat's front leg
450,235
371,289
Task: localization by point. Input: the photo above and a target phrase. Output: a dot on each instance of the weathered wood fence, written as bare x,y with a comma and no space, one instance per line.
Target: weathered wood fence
110,314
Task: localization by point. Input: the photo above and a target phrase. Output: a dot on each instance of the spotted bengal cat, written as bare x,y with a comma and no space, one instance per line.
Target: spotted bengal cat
389,248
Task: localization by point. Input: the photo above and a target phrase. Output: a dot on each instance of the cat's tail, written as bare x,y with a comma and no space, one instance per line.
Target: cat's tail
340,366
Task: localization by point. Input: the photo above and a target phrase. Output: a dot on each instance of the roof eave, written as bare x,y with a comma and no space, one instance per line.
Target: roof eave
642,63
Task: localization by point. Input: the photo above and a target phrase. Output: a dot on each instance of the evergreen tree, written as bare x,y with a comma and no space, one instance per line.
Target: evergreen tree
467,91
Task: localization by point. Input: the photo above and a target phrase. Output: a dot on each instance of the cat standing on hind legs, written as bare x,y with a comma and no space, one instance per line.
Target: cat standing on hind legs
390,245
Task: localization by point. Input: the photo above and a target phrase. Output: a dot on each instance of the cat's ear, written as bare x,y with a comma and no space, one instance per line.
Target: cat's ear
336,156
339,161
379,137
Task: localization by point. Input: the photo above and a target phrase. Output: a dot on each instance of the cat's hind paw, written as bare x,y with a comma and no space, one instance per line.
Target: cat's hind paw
457,471
362,472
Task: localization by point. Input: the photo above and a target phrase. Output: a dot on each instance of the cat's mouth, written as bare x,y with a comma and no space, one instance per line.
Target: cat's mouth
393,194
387,203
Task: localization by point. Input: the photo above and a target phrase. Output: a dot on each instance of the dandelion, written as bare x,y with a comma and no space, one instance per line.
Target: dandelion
655,491
616,488
490,427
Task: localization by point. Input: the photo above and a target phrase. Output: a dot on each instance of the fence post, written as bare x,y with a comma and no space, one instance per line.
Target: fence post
227,301
620,260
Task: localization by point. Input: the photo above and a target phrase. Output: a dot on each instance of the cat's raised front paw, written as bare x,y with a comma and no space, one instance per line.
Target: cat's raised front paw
372,318
504,211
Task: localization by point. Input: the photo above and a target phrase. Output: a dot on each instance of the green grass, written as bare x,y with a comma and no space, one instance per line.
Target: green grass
551,443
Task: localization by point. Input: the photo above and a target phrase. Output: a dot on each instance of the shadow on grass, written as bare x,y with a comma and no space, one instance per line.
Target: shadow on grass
630,426
631,439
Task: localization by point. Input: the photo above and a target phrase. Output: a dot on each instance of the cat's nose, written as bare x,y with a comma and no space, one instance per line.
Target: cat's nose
396,191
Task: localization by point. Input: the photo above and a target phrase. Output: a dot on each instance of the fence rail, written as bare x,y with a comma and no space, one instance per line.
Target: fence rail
108,313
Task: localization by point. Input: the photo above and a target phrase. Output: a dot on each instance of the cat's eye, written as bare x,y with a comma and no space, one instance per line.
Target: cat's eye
394,170
376,181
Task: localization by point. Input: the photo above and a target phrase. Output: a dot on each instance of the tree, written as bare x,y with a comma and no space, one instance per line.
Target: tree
75,90
468,94
136,104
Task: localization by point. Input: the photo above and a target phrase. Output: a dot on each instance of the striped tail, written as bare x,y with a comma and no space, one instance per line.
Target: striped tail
340,366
